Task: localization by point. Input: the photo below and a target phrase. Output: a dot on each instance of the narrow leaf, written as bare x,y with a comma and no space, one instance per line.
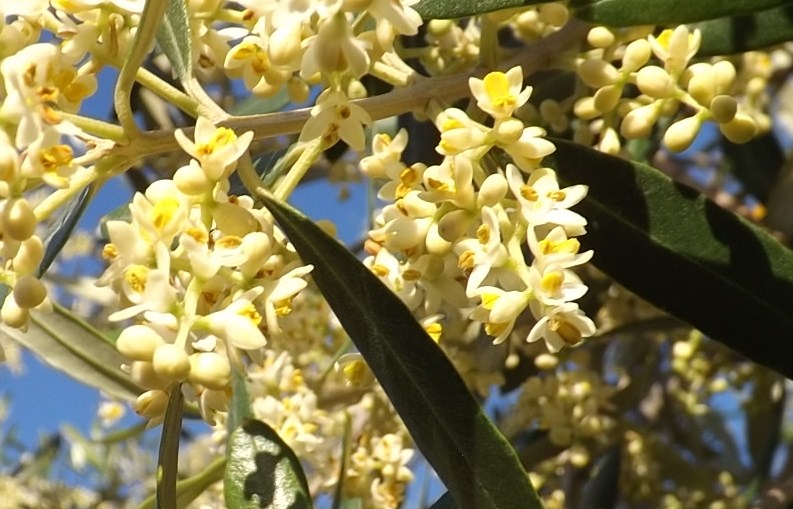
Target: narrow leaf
240,408
69,344
623,13
168,459
602,490
174,38
60,231
756,163
736,34
477,464
444,9
262,471
187,490
685,254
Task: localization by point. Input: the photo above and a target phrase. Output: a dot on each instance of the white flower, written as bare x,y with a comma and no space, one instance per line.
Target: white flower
334,117
541,201
676,47
216,148
335,49
499,94
563,325
529,149
556,249
459,133
554,285
238,324
452,181
488,251
402,17
499,310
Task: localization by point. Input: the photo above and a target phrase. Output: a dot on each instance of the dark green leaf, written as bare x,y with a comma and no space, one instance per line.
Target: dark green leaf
343,461
74,347
477,464
755,163
736,34
60,231
602,490
262,471
444,9
168,458
174,38
623,13
682,252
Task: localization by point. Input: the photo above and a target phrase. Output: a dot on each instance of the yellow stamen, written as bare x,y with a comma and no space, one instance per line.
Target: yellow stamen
552,282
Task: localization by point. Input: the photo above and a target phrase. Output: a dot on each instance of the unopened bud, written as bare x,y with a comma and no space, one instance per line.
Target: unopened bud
142,373
554,14
210,369
29,292
29,256
298,89
597,73
600,37
655,82
606,98
284,45
234,220
151,404
171,362
454,224
138,343
639,122
19,220
13,315
740,129
585,108
493,190
192,180
723,108
681,134
636,55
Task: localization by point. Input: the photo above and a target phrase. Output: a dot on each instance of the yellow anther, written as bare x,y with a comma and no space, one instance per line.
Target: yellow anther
466,260
434,331
163,212
557,195
483,234
380,270
552,282
567,331
136,276
529,193
228,242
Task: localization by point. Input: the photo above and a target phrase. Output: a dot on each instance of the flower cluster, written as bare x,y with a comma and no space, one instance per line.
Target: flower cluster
205,275
707,89
454,236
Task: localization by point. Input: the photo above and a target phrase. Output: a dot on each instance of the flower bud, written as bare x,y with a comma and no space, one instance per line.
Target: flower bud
19,220
13,315
606,98
9,163
29,256
298,89
655,82
597,73
29,292
702,85
609,141
508,131
171,362
142,373
740,129
682,133
436,244
210,369
138,343
554,14
192,180
636,55
639,122
453,225
493,190
600,37
585,108
724,76
723,108
284,45
151,404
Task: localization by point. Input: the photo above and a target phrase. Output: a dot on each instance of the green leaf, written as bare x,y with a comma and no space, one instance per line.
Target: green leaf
685,254
240,408
737,34
168,458
755,163
174,38
254,105
262,471
477,464
623,13
187,490
69,344
444,9
61,230
601,491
